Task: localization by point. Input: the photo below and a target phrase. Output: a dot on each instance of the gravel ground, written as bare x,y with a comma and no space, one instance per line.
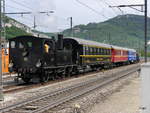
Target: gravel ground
117,97
125,100
13,98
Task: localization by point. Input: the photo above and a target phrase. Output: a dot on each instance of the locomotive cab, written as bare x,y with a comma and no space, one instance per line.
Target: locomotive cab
27,54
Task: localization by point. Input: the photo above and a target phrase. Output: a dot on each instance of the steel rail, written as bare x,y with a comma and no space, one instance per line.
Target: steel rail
62,100
82,92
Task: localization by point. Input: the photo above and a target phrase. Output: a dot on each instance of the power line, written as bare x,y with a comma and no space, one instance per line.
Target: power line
108,5
15,7
97,12
18,3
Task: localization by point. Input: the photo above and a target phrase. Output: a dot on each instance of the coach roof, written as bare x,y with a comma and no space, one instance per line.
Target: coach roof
88,42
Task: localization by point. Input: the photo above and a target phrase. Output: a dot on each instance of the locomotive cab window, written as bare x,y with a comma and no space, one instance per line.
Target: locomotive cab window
13,44
21,45
48,46
29,44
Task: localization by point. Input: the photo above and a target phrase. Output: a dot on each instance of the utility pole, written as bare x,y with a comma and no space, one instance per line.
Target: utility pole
34,26
1,31
71,26
145,30
133,6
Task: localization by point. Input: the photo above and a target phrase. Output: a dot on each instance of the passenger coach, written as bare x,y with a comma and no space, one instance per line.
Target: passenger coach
119,55
89,53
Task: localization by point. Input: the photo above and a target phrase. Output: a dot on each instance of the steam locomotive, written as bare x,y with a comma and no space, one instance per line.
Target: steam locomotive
45,58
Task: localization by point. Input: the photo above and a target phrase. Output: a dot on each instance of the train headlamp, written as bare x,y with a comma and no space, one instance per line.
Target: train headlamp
38,64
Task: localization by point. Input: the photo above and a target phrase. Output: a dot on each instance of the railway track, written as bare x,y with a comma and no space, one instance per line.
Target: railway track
56,98
11,86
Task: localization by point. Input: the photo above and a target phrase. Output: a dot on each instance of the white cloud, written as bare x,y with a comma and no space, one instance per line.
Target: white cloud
71,8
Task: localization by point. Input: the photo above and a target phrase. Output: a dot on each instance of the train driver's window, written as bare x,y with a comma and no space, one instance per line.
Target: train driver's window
46,47
29,44
13,44
21,45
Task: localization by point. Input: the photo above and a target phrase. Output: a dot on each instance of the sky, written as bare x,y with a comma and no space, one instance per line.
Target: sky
82,12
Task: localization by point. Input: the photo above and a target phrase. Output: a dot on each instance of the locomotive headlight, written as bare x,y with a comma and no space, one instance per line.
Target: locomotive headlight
38,64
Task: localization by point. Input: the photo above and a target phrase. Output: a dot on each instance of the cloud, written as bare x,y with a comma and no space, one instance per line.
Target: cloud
71,8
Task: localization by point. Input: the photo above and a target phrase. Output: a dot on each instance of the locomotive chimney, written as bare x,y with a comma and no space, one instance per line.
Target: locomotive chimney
60,42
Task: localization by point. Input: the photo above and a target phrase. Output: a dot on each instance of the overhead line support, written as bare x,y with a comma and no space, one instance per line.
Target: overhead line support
145,26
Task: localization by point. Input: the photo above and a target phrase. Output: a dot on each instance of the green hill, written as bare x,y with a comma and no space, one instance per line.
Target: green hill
12,30
124,30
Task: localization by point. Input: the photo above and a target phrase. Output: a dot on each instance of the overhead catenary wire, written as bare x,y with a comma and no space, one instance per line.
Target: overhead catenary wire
21,4
108,5
12,7
92,9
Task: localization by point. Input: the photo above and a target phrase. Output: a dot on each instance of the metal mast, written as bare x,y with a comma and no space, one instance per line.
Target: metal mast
145,30
71,26
2,42
133,6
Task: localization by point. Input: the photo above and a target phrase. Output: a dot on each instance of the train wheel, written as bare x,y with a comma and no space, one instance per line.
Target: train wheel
44,78
26,80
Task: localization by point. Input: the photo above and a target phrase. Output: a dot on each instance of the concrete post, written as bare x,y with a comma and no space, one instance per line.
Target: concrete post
145,88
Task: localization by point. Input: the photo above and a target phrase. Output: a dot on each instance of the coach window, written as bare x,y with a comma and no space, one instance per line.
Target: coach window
91,51
84,50
105,53
97,51
94,50
86,47
100,51
13,44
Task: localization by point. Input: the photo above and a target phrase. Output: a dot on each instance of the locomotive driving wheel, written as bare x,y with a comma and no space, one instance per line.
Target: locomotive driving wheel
45,77
26,80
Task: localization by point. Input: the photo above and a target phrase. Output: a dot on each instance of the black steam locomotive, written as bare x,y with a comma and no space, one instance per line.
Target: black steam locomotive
44,58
